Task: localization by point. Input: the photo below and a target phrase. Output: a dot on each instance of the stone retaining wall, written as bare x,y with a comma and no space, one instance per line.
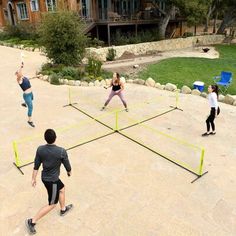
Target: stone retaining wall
163,45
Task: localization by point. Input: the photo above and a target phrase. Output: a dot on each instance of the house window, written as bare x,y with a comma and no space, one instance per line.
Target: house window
34,5
51,5
22,11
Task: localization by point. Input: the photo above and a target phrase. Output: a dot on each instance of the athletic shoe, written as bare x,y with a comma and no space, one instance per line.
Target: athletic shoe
30,226
23,105
126,109
103,108
68,208
31,123
212,133
205,134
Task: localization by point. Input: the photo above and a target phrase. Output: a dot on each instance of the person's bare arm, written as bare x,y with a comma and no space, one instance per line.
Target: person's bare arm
106,87
21,67
34,176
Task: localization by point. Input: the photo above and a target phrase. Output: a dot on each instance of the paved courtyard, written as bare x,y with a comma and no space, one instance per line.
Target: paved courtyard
118,187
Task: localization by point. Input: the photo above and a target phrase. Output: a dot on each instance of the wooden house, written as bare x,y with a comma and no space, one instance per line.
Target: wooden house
101,16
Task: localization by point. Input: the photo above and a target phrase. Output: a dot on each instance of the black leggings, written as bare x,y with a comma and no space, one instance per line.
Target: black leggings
211,118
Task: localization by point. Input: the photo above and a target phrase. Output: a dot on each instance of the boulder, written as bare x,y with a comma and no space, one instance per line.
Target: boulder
61,81
77,82
130,81
103,82
186,90
229,99
150,82
108,81
204,95
45,78
84,83
122,80
140,81
177,90
97,83
135,66
234,104
91,84
196,92
71,83
159,86
221,98
170,87
65,81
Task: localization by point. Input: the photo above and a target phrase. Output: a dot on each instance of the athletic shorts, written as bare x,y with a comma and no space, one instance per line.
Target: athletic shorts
53,189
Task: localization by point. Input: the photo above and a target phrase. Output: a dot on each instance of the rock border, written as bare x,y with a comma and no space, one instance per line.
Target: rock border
228,99
20,46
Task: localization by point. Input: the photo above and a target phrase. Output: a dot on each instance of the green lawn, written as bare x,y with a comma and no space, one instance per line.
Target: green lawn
184,71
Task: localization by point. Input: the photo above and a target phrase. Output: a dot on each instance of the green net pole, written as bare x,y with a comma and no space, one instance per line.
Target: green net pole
177,98
17,160
201,162
69,96
116,128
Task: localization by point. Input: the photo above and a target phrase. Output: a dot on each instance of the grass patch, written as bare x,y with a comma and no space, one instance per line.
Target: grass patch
184,71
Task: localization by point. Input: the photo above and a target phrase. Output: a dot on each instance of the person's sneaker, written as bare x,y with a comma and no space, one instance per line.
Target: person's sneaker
23,105
126,109
30,226
103,108
205,134
68,208
31,123
212,133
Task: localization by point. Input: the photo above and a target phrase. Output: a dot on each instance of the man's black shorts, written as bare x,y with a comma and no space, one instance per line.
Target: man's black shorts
53,189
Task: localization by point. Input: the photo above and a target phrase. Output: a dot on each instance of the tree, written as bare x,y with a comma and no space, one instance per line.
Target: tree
229,16
193,10
61,34
211,8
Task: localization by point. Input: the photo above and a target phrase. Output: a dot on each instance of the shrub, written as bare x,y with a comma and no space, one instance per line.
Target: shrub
111,54
120,38
94,67
53,68
106,74
61,33
54,79
46,66
21,31
95,43
80,73
68,77
99,78
187,34
69,71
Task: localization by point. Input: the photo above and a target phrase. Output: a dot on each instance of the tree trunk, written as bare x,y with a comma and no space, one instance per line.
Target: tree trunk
164,22
215,21
208,17
229,19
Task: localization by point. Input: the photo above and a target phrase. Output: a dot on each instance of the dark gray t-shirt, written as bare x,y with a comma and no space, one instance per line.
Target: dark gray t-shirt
51,157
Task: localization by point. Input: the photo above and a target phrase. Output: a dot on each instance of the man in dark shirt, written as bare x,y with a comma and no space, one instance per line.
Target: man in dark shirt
51,157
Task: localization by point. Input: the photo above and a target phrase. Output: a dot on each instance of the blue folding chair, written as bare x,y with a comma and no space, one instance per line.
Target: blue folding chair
224,82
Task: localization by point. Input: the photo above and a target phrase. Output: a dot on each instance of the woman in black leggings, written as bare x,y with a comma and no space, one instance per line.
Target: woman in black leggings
215,110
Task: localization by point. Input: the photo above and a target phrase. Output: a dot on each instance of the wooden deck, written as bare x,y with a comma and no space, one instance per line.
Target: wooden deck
124,22
127,22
